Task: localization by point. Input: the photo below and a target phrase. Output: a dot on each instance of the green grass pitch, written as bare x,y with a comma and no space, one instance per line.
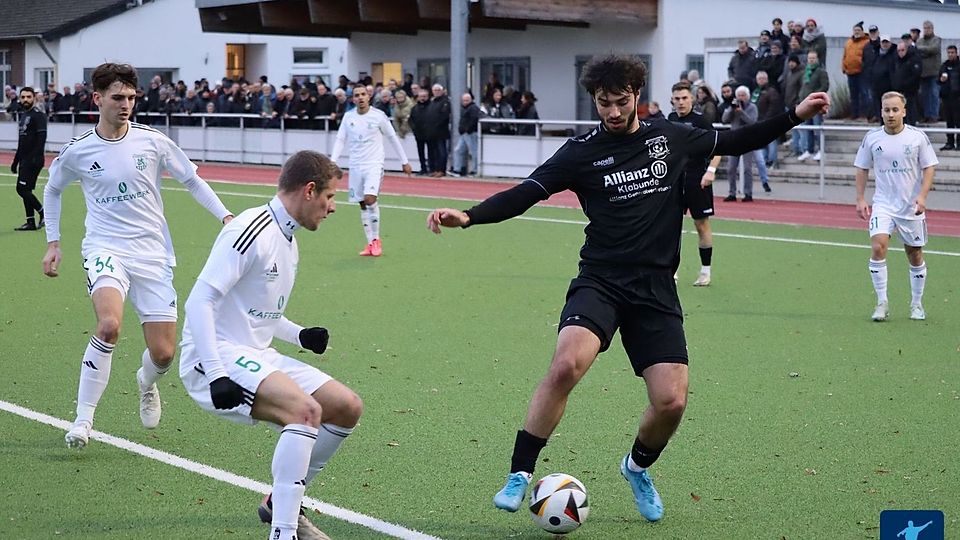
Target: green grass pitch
805,420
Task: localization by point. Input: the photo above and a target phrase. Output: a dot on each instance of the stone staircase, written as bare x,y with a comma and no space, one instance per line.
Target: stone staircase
841,149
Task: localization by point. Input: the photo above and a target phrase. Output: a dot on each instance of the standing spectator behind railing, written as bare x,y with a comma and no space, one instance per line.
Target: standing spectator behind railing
493,83
467,145
384,103
870,53
740,113
401,113
769,104
777,34
266,105
304,109
792,84
527,111
852,66
774,65
950,94
881,73
743,65
419,117
438,122
815,79
815,40
707,103
326,107
497,108
930,53
906,78
343,105
796,49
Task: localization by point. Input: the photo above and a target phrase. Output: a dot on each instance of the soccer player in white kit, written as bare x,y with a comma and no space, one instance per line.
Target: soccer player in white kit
233,314
364,128
127,248
903,161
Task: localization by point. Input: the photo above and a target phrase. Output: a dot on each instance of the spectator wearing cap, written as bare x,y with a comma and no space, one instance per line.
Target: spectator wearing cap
852,66
743,65
796,29
881,71
915,35
814,40
870,53
930,54
777,34
906,79
763,46
950,93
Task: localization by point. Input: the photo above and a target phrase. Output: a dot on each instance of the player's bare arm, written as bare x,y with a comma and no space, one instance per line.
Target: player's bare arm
863,209
924,190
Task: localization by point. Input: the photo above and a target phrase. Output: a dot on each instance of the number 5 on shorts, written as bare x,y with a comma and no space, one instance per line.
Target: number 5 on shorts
251,365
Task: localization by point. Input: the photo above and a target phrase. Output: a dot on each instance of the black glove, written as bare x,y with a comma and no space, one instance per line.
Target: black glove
225,393
315,339
13,167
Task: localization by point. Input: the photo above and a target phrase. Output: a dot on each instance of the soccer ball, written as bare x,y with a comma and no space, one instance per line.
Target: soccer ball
558,503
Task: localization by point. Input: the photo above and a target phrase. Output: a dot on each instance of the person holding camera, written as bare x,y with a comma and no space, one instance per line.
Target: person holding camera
741,112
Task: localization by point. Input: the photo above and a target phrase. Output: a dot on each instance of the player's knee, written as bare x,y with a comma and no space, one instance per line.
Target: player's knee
564,373
108,329
369,200
22,190
162,355
347,412
671,406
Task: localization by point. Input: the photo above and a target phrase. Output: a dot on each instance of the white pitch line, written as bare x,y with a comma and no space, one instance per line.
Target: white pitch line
228,477
581,222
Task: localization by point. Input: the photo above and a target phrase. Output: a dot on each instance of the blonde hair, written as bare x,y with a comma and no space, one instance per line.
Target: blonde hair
893,94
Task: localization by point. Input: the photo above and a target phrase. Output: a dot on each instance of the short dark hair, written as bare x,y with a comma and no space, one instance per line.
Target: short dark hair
308,166
954,47
614,73
26,89
681,85
777,20
107,74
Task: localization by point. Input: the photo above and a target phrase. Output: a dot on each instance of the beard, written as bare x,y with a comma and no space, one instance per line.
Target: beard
624,128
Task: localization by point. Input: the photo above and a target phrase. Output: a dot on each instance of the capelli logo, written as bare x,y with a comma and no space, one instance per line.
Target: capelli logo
604,162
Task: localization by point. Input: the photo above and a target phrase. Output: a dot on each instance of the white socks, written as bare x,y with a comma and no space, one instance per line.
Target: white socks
705,270
290,461
94,375
878,273
329,439
918,279
370,217
151,371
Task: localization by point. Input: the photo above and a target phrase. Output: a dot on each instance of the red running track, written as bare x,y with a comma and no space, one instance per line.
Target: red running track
842,216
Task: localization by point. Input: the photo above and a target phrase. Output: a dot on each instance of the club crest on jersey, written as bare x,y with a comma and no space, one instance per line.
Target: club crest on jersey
657,147
272,273
141,161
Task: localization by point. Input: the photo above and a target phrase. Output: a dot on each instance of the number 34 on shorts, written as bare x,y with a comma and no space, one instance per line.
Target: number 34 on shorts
98,265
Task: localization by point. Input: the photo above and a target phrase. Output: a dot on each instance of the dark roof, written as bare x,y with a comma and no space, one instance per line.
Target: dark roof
55,18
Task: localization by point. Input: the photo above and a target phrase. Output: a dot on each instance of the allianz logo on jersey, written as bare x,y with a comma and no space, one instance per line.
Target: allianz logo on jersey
123,196
627,180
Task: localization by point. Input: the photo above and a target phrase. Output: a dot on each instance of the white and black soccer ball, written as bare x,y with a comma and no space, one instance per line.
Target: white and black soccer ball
559,503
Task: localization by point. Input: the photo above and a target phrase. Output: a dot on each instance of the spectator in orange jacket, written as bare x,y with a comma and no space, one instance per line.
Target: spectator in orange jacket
853,69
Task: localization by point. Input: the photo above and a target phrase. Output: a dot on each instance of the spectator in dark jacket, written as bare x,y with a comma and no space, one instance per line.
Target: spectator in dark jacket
438,127
326,107
468,142
743,65
769,104
774,64
870,54
527,111
497,107
792,83
418,122
815,79
881,72
950,93
707,103
906,79
814,40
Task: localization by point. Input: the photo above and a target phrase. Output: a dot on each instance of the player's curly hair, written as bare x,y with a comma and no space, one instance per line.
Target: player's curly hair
308,166
614,73
109,73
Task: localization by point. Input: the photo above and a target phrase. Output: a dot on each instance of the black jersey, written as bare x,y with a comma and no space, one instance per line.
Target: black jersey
696,168
630,188
33,138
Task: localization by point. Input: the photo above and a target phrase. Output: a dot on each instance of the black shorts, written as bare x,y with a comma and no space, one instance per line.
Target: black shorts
644,307
27,175
698,200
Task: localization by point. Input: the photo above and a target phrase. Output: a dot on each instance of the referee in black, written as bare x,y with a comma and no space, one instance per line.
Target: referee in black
28,161
698,180
628,176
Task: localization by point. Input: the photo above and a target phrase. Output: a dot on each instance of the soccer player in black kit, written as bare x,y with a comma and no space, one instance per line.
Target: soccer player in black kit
628,176
28,160
698,179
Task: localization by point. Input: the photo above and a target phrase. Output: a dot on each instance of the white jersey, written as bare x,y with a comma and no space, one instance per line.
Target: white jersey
253,264
365,133
898,162
121,185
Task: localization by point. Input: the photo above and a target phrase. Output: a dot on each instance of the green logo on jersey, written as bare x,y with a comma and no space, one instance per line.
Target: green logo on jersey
141,161
280,303
122,187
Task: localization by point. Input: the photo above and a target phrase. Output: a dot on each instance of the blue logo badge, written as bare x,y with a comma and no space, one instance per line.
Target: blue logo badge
911,525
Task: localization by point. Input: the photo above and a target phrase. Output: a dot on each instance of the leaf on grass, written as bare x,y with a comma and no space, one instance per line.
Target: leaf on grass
393,443
810,472
882,471
695,497
155,492
794,374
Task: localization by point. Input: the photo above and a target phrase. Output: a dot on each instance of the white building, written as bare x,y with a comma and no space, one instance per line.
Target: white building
61,42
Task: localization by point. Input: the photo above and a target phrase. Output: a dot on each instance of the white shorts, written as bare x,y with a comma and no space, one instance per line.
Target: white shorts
365,180
247,367
913,232
148,283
